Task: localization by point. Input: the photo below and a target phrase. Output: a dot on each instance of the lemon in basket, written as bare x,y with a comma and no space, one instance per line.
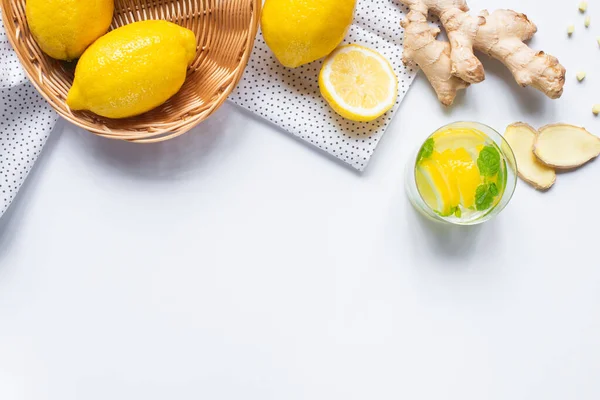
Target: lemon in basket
65,28
132,69
358,83
301,31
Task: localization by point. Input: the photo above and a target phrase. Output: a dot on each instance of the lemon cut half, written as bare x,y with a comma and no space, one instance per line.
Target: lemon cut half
358,83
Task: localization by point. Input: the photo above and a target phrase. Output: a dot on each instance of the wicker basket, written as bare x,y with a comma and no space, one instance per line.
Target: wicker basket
225,30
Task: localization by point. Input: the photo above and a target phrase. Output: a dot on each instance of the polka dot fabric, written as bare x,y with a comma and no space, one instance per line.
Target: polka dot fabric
291,98
25,123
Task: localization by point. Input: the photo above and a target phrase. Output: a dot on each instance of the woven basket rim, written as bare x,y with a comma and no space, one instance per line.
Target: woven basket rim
160,131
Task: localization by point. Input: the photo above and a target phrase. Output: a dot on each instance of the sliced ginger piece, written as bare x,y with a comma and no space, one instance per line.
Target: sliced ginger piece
521,138
564,146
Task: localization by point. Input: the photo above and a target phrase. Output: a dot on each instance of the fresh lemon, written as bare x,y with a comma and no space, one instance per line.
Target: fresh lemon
65,28
358,83
132,69
302,31
459,165
438,192
449,178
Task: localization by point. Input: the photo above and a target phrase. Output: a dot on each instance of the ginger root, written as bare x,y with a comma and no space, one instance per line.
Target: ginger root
461,30
500,35
431,55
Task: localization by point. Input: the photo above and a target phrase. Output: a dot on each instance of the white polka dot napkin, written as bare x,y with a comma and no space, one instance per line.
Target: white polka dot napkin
25,123
291,99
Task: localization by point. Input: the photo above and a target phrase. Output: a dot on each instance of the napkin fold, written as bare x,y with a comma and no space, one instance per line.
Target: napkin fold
291,99
26,120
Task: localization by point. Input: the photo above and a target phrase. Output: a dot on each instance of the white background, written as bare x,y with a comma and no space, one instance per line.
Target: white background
237,262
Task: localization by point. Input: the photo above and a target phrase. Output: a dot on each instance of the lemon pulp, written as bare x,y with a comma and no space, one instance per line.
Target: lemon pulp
460,172
358,83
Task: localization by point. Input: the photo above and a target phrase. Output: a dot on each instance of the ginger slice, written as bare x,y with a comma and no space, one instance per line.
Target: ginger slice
565,146
521,138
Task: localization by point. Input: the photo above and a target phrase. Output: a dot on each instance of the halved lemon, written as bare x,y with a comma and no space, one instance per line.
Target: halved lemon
358,83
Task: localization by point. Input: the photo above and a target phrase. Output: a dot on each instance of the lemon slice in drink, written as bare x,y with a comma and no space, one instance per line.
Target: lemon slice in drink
459,167
436,188
358,83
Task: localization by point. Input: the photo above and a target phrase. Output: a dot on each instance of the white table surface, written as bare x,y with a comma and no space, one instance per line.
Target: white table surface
236,262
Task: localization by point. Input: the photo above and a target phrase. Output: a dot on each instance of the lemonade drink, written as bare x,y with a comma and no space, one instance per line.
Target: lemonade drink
461,174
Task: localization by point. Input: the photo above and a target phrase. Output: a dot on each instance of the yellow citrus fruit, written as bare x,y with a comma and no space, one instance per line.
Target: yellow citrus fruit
358,83
65,28
302,31
459,166
132,69
439,194
448,179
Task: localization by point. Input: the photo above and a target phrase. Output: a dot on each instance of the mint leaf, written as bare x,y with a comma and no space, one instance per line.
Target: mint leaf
493,189
426,150
488,161
484,196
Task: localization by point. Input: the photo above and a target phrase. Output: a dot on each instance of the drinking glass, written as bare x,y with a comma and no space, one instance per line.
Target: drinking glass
511,177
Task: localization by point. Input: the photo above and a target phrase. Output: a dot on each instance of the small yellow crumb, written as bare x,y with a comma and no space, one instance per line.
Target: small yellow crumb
598,40
596,109
587,21
580,76
570,29
583,6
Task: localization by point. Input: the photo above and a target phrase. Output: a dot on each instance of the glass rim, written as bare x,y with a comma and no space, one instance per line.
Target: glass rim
495,209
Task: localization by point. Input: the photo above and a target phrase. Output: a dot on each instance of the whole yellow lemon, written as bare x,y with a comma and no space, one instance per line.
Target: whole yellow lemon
302,31
65,28
132,69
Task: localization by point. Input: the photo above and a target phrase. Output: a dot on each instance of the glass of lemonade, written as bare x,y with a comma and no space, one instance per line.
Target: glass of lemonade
464,173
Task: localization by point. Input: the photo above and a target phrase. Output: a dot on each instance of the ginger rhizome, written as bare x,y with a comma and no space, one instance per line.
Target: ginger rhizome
432,56
461,30
453,66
